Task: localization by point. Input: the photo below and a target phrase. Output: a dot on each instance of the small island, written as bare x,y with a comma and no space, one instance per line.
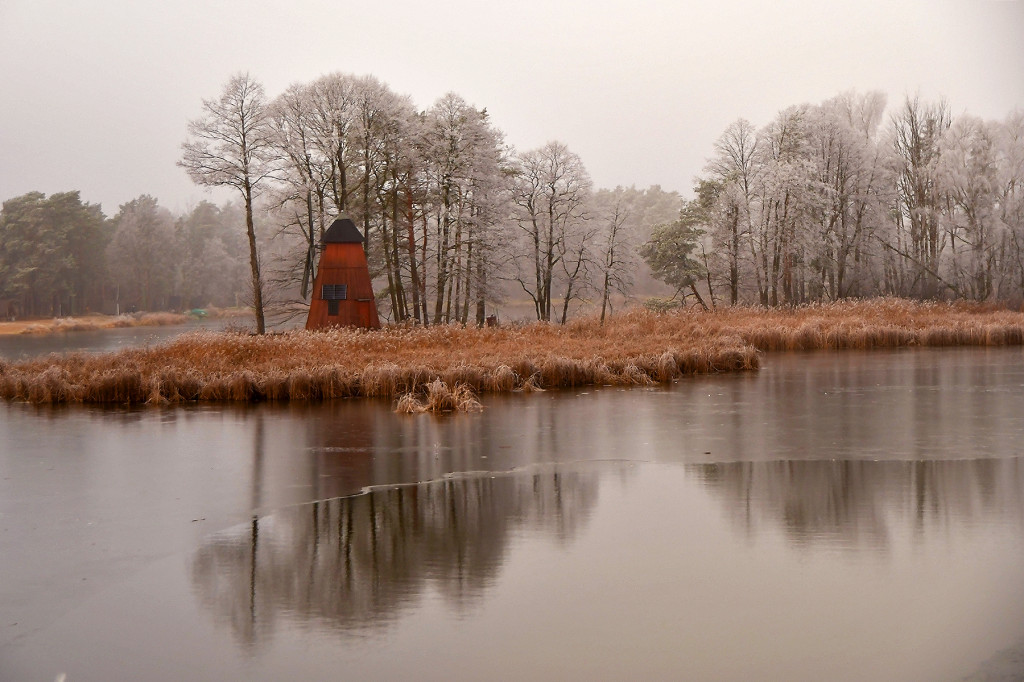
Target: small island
635,348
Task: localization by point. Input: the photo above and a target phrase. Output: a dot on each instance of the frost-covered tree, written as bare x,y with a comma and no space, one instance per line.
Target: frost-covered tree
333,119
463,163
784,196
733,169
822,203
615,250
968,173
853,177
550,190
299,199
427,189
230,145
384,136
1011,203
799,206
918,241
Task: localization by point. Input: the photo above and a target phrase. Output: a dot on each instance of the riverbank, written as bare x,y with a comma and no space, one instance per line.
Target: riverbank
635,348
93,322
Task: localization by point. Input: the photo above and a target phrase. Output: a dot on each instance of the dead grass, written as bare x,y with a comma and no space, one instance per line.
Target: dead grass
440,398
635,348
92,322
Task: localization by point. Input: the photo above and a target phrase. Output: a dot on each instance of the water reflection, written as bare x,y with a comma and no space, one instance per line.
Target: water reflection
356,563
913,405
864,504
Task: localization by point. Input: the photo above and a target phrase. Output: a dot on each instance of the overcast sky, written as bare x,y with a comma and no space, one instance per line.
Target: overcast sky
95,96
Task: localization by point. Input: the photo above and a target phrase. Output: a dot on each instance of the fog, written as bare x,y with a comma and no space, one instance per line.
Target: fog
96,97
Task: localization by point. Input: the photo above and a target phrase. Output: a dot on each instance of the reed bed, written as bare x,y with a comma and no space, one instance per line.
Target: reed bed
635,348
91,323
94,322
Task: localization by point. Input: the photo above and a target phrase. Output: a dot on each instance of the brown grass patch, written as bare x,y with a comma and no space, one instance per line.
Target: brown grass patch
92,322
96,321
440,398
635,348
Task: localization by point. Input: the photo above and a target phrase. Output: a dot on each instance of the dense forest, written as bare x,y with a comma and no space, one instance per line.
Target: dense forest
824,202
62,256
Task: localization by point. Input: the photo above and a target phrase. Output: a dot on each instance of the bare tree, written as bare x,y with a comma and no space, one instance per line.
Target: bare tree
615,258
229,146
918,241
784,198
300,198
968,173
733,169
550,190
462,161
1011,201
854,181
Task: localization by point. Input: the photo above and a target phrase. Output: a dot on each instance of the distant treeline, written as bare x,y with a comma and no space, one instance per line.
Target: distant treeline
60,256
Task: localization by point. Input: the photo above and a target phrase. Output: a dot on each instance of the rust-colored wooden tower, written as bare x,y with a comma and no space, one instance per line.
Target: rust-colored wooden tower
342,294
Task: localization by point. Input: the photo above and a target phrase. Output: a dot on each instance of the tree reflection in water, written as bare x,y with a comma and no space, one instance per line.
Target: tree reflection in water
865,504
355,563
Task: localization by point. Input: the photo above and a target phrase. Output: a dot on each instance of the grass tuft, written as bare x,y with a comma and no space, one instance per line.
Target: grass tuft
440,398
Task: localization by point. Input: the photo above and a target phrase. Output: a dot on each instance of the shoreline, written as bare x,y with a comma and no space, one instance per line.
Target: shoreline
636,347
98,321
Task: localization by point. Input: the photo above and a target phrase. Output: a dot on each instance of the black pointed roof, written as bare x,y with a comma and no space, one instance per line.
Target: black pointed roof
343,231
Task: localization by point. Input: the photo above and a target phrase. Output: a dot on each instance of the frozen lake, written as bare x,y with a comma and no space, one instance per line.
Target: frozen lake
832,516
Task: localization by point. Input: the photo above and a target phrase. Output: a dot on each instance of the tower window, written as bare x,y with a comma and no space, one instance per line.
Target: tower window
334,292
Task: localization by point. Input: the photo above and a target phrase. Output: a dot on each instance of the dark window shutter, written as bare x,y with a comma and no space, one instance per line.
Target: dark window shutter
334,292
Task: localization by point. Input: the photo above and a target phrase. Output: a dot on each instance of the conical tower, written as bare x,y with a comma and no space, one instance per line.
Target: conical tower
342,293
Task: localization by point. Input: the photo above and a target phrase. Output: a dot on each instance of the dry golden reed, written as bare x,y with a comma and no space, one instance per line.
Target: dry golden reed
637,347
440,398
91,322
94,322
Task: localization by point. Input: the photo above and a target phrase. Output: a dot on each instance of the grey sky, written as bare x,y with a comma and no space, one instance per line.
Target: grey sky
95,96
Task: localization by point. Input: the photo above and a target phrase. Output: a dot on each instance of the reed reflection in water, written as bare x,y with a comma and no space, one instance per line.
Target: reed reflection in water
867,505
357,562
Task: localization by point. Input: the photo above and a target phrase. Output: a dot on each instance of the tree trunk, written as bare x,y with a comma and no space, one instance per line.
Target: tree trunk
604,298
254,262
307,270
481,309
412,261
